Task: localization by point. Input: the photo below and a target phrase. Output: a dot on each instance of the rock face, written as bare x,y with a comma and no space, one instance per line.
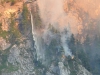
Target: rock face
3,44
22,61
21,57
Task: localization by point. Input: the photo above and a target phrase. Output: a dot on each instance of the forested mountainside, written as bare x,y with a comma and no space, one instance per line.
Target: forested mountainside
49,37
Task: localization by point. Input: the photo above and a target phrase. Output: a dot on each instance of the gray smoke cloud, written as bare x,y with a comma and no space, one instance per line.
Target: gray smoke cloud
52,12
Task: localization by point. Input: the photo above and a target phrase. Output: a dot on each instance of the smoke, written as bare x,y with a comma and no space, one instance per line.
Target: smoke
52,13
65,36
64,14
90,6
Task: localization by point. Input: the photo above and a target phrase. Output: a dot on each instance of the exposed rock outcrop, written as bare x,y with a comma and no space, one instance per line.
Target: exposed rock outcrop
3,44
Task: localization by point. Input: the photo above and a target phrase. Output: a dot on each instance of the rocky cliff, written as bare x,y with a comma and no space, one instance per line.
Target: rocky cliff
34,42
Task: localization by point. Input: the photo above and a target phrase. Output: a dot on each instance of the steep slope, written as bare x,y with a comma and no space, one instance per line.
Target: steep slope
39,40
50,50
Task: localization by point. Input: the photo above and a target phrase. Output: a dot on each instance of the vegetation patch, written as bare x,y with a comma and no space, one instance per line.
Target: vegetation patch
10,68
13,33
24,25
37,20
78,52
12,2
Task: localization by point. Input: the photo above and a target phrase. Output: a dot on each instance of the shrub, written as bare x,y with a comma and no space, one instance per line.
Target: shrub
13,2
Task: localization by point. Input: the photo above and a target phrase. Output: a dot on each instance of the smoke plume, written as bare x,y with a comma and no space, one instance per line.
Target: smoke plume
65,14
52,13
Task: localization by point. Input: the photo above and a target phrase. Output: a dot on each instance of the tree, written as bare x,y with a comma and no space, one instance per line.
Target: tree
13,2
82,55
25,12
25,15
72,45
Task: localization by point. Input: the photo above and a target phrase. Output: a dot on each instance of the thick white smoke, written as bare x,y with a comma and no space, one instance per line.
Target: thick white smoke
52,12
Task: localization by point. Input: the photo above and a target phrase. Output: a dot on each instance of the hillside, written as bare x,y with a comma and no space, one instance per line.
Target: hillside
49,37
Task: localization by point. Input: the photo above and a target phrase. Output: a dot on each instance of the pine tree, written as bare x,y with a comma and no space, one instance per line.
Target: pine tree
72,45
